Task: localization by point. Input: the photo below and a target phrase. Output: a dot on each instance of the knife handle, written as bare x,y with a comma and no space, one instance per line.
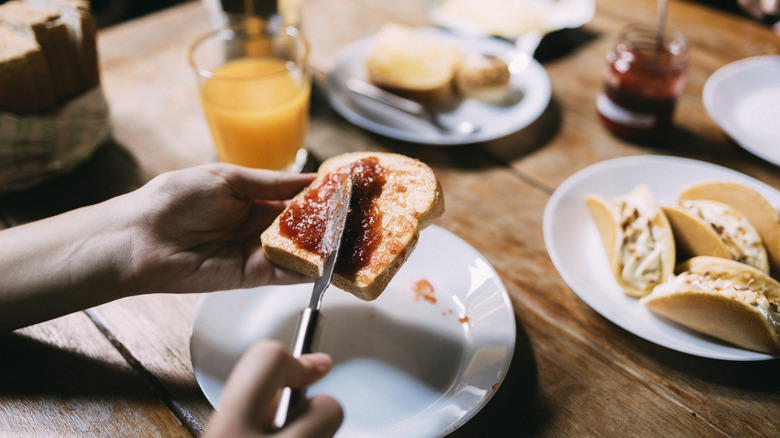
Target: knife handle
305,341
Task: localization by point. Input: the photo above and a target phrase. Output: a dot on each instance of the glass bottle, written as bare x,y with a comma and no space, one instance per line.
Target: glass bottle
643,79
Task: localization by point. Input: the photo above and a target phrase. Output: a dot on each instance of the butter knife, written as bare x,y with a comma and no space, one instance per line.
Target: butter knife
377,94
310,320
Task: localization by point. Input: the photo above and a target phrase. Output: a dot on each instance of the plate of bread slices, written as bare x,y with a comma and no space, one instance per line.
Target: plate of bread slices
688,260
458,79
419,326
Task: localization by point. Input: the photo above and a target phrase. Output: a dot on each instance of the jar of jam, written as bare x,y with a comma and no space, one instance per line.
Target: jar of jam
644,76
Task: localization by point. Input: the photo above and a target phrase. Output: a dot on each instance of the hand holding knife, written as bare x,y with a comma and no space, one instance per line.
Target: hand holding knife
309,321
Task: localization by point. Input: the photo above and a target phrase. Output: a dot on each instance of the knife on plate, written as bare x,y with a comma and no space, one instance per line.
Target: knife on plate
310,320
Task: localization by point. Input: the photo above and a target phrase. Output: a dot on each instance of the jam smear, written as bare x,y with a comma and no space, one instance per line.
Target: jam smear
362,234
304,222
423,289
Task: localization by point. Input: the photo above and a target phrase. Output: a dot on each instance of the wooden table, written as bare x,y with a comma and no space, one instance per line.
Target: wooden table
123,369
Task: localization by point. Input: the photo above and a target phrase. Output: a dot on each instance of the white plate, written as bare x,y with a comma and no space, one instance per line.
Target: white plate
526,22
404,366
576,250
744,99
495,120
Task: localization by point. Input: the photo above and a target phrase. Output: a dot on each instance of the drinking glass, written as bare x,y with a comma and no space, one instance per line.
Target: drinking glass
255,83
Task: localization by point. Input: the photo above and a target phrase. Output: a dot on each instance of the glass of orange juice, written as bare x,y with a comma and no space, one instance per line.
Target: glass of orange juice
255,84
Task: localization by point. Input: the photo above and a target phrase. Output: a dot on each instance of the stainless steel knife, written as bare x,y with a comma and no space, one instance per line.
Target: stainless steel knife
310,320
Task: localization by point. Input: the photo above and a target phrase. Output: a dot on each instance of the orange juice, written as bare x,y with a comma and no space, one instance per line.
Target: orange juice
258,112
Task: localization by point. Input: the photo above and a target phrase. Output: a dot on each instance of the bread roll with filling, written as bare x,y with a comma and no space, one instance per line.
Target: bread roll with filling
722,298
748,201
711,228
637,238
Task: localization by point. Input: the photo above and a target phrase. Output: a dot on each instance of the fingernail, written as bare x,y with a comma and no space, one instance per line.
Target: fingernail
321,362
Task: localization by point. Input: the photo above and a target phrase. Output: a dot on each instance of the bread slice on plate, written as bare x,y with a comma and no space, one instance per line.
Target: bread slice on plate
393,198
414,65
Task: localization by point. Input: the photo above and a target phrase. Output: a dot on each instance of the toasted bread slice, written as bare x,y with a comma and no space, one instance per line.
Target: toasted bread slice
413,65
758,210
711,228
393,198
637,238
725,299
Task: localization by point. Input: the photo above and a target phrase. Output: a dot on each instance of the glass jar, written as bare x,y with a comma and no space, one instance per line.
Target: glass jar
643,79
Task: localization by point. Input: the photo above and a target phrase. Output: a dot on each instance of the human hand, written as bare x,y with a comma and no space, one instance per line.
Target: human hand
248,401
199,229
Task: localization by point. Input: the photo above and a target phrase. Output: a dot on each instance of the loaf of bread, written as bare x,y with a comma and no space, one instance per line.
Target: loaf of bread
48,53
413,64
393,198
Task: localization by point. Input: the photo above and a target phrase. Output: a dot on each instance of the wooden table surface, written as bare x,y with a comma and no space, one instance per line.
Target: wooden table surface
124,369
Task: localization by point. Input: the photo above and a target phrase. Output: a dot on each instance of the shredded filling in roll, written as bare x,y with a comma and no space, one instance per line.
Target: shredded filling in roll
642,247
740,237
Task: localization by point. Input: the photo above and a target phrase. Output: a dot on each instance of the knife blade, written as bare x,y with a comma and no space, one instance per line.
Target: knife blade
310,319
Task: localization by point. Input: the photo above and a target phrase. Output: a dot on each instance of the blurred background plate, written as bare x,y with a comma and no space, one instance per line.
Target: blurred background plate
524,22
496,121
744,99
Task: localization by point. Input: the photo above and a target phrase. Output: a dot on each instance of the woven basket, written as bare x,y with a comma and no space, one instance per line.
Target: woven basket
34,149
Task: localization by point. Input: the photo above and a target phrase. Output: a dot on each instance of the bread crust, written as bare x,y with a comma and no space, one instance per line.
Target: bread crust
410,200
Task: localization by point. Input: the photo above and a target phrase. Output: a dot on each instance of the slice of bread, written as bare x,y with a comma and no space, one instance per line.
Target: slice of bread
413,64
25,77
45,26
393,198
77,16
48,53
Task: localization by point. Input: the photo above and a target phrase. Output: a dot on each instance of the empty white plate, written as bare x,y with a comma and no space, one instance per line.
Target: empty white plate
744,99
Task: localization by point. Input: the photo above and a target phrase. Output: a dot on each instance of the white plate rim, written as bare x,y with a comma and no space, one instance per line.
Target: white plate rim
566,207
433,236
532,78
721,80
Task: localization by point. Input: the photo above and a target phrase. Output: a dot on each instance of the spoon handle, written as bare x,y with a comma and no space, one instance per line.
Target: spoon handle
372,92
